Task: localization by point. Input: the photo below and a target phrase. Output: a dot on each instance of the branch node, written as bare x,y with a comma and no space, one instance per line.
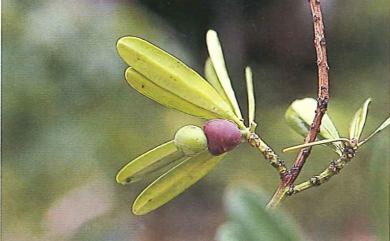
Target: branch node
334,167
315,180
291,190
323,41
316,18
306,152
349,151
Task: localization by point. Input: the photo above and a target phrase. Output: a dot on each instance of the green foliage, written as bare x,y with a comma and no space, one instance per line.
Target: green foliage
213,79
149,163
68,118
300,115
297,118
249,220
167,80
217,59
358,121
174,182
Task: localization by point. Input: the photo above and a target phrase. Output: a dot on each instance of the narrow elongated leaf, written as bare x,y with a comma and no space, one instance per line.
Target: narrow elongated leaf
314,143
165,97
149,162
251,221
212,78
174,182
216,56
358,121
385,124
251,96
174,77
300,116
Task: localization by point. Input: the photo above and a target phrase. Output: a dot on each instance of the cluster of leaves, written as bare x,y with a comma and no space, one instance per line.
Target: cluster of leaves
168,81
301,113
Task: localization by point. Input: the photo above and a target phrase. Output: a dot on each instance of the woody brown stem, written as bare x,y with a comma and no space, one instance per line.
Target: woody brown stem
322,104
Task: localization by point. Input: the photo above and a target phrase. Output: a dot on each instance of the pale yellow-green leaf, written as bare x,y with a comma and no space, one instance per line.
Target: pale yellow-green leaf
149,162
174,182
385,124
174,78
251,96
212,78
314,143
358,121
300,115
164,97
218,61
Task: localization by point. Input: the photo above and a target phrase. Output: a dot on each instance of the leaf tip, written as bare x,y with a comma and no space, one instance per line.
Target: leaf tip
120,179
136,210
211,33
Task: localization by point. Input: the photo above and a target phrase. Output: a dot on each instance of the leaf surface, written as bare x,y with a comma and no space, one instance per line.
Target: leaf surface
251,96
249,220
166,97
172,77
358,121
212,78
149,162
300,115
174,182
218,61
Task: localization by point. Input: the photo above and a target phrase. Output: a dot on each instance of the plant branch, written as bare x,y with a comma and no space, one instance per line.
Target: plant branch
322,104
255,141
333,169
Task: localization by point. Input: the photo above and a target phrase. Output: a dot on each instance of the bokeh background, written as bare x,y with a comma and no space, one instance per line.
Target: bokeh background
69,120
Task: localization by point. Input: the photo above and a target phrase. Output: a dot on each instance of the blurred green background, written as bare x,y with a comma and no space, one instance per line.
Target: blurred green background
70,121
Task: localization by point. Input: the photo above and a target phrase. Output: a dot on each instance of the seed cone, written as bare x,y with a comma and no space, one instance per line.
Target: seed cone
191,140
222,136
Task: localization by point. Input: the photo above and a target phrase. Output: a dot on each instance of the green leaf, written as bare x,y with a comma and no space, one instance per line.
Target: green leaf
149,162
314,143
212,78
168,77
174,182
300,115
251,221
385,124
251,98
230,231
218,61
358,121
164,97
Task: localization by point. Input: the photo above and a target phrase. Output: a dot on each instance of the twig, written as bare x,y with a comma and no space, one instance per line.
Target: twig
333,169
255,141
322,104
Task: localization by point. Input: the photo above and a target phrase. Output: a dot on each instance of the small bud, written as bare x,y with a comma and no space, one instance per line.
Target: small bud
191,140
222,136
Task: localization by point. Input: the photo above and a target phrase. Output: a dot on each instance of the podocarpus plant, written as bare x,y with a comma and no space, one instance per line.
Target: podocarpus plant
194,151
